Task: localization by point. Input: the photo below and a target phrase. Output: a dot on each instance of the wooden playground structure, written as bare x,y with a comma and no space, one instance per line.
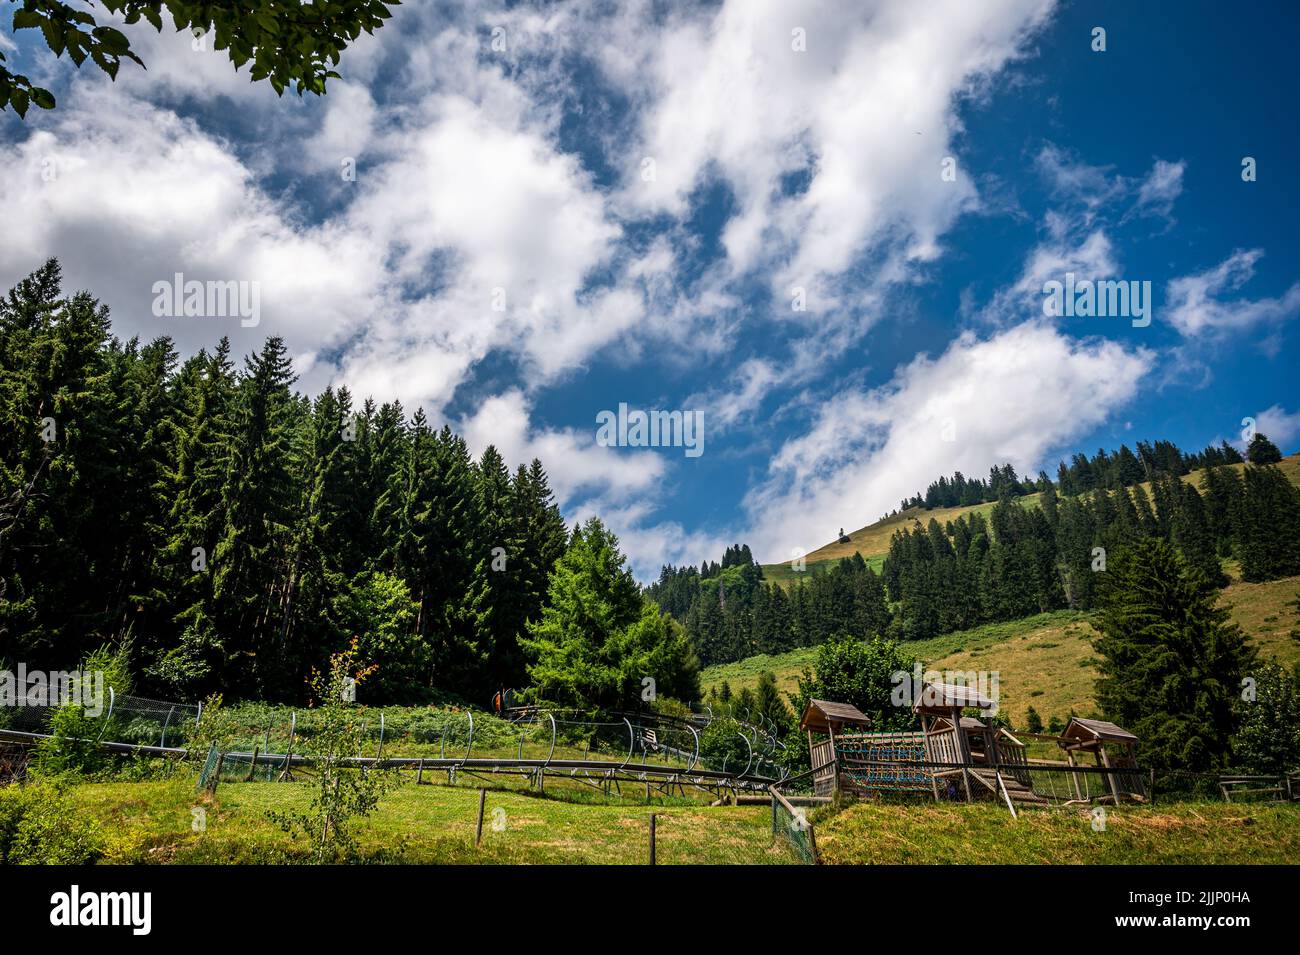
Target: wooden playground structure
955,755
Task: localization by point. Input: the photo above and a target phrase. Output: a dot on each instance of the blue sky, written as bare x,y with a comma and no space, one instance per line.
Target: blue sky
643,188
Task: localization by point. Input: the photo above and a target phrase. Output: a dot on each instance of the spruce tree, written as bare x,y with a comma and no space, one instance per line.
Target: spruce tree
1171,662
257,499
1262,451
1267,522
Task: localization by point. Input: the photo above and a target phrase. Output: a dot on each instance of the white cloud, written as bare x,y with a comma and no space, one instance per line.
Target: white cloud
1278,425
576,465
1087,189
1016,396
1162,186
1196,304
1075,235
1077,183
130,195
867,112
1091,256
346,130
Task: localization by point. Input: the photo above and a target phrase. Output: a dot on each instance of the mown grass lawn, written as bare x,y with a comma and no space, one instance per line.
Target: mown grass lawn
427,824
870,833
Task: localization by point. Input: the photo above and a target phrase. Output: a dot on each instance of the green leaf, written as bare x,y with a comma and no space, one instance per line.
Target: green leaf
19,99
114,41
53,36
25,19
104,63
42,98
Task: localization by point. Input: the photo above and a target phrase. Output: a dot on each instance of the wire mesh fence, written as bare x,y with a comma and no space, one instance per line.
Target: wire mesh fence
139,720
790,826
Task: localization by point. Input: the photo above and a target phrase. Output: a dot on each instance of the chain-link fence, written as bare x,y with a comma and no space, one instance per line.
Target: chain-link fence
790,825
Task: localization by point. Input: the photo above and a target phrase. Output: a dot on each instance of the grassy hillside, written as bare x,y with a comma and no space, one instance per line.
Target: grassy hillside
151,822
875,833
872,541
1046,660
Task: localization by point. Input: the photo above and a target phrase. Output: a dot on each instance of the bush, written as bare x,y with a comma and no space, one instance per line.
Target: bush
1268,735
73,747
39,826
721,746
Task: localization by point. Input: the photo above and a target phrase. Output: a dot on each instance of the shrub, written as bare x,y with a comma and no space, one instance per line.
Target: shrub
73,746
721,746
342,794
40,826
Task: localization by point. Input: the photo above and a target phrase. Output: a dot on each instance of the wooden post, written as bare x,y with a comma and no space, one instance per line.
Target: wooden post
216,773
419,776
928,753
1110,775
652,838
478,832
963,750
835,769
286,774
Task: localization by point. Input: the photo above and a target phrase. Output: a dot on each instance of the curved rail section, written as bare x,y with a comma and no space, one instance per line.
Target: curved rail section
601,750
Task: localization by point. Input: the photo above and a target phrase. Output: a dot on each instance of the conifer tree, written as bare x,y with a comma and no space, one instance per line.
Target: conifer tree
1262,451
1267,513
1171,662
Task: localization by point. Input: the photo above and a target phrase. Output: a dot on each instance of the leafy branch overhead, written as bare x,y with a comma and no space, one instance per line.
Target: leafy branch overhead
292,44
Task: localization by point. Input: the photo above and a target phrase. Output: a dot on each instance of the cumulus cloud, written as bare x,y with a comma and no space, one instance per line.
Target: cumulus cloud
1016,396
1200,305
1280,426
864,112
1091,257
573,460
127,198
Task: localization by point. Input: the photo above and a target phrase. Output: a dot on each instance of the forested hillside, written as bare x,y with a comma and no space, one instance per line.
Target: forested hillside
1003,561
236,532
1110,470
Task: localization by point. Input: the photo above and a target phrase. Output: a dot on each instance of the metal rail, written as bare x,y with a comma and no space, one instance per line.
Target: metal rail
612,769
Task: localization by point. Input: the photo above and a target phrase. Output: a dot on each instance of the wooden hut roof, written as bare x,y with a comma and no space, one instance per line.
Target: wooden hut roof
1082,729
821,715
946,696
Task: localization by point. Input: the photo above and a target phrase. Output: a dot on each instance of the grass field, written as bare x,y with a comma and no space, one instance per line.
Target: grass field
871,833
425,824
151,822
1046,660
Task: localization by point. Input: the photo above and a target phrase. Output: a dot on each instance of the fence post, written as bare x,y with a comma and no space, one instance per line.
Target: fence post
287,773
216,773
478,833
252,767
652,838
